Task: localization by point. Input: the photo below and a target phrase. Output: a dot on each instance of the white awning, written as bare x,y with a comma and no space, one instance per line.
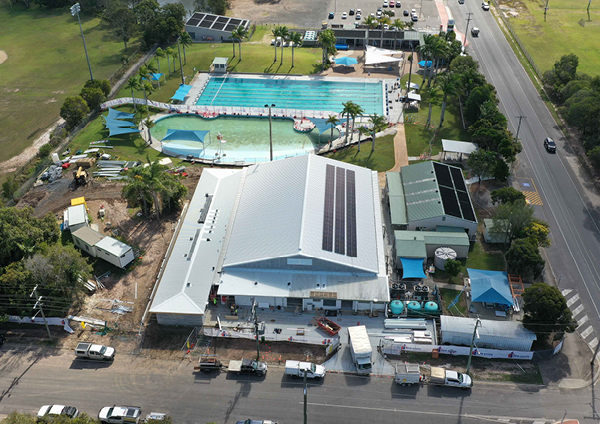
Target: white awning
454,146
413,85
414,96
385,52
372,58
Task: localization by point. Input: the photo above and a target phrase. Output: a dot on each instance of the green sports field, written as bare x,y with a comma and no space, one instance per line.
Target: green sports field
46,63
566,30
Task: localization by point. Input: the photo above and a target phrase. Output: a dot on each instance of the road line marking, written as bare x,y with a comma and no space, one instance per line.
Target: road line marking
565,292
582,320
587,332
573,300
577,310
594,342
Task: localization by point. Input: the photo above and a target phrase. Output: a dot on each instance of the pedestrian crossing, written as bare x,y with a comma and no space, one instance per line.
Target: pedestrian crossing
584,326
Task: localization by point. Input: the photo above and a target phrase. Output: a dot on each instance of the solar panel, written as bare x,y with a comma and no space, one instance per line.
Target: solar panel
463,197
351,214
205,24
193,22
223,20
218,26
457,176
198,15
235,22
467,211
210,18
328,213
450,202
442,175
340,211
205,209
230,28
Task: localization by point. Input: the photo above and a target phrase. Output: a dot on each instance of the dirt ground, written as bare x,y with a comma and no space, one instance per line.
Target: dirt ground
297,14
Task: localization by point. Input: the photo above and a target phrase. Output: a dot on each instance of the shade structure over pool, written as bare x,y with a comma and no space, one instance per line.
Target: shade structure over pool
490,287
347,61
185,135
174,149
116,114
320,124
119,131
412,268
156,77
181,92
117,123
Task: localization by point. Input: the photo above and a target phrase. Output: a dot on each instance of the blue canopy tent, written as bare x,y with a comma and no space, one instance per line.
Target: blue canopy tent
156,77
115,114
185,135
174,149
119,131
412,268
320,124
490,287
181,92
347,61
423,63
117,123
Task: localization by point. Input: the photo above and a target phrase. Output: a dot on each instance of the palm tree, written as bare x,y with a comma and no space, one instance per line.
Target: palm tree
160,53
397,26
333,121
169,52
378,123
363,131
355,111
234,39
447,84
285,35
384,20
348,108
174,55
136,191
186,41
425,51
152,69
240,34
371,23
145,85
149,124
432,97
296,41
327,40
133,84
276,33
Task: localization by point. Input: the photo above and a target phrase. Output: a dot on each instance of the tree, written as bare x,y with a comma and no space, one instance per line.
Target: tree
371,23
362,130
397,26
133,84
285,35
276,32
523,257
333,121
94,97
506,195
45,150
296,41
513,218
383,21
186,41
378,124
348,106
152,70
9,188
146,86
431,92
539,232
327,39
447,84
355,110
149,125
159,53
122,19
545,311
452,267
103,85
239,34
170,52
73,110
480,163
477,97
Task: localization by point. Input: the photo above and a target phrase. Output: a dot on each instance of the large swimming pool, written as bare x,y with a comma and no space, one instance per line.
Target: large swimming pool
292,94
247,139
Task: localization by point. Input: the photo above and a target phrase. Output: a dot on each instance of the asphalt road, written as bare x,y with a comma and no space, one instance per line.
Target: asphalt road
29,380
570,204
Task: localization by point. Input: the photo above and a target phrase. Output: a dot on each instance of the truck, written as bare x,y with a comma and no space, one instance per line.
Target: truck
361,349
297,369
409,374
248,366
95,352
208,364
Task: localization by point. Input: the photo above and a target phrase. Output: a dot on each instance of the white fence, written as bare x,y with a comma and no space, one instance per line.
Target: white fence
63,322
390,348
228,333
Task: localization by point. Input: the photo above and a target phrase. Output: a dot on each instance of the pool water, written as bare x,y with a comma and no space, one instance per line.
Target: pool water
246,138
292,94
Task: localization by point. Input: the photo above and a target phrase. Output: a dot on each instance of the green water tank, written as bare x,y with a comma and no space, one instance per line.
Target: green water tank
431,306
413,305
397,307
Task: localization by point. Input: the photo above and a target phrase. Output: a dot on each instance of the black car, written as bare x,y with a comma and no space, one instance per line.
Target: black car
331,15
405,13
550,145
351,12
398,5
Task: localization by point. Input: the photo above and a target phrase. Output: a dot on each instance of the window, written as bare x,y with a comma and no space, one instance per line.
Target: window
296,261
329,302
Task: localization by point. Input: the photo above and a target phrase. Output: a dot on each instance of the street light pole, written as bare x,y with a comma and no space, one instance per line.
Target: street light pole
305,399
467,29
472,343
255,329
270,133
75,9
519,127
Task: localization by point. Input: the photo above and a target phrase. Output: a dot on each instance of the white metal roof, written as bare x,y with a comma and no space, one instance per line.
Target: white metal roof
487,327
113,246
76,214
281,210
185,284
454,146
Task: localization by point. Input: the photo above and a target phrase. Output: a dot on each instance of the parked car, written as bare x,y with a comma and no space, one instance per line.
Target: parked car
398,5
56,410
331,15
414,18
405,13
359,11
475,32
95,352
358,17
344,15
386,27
379,13
385,3
120,414
392,3
461,1
485,6
255,422
351,12
550,145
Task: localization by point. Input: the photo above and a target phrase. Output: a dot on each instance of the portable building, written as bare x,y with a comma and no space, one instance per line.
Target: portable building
76,217
114,251
85,238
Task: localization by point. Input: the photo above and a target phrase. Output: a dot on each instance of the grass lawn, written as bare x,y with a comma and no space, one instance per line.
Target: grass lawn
382,159
46,63
460,307
561,34
256,58
478,259
417,136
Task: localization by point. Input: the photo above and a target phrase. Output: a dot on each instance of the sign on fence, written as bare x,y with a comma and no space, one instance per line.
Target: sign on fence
398,348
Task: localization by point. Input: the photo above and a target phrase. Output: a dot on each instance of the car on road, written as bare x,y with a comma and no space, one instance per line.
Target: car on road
398,5
550,145
351,13
475,32
485,5
344,15
379,13
255,422
359,11
461,1
358,17
331,15
414,17
56,410
392,3
120,414
385,3
405,13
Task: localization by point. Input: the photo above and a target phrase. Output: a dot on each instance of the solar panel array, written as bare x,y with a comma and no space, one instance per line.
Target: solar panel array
340,211
206,20
453,191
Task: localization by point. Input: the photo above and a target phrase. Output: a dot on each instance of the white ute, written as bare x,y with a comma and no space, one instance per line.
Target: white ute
94,351
120,414
296,369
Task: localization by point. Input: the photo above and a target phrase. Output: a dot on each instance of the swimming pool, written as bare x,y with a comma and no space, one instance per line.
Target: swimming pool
247,139
292,93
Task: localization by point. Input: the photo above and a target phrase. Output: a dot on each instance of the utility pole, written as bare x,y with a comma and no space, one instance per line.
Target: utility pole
305,399
546,9
412,60
180,65
75,9
38,305
467,30
472,343
519,126
255,317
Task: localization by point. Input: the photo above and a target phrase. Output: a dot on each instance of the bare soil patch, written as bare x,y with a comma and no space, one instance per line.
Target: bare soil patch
3,56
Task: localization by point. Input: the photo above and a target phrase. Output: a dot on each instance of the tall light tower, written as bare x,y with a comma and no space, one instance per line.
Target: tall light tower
75,9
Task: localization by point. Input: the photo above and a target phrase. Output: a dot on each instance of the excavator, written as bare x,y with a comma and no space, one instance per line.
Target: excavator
80,176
